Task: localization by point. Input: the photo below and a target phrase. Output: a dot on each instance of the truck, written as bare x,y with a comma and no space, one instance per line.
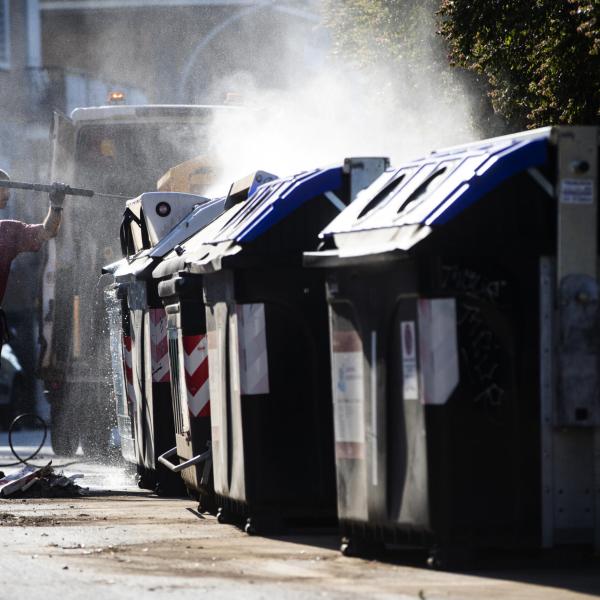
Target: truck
119,152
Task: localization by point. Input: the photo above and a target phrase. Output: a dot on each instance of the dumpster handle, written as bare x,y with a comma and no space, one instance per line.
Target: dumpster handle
163,459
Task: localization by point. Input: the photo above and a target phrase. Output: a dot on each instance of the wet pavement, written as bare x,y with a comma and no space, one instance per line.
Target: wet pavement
121,542
111,475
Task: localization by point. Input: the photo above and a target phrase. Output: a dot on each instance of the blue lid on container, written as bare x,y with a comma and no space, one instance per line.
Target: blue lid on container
275,200
432,191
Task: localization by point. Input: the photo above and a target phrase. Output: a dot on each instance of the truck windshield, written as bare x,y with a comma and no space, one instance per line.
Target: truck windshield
128,159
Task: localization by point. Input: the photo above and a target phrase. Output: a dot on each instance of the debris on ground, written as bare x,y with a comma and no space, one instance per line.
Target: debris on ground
40,482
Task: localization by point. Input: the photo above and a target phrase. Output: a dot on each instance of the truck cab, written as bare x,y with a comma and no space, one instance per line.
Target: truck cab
119,152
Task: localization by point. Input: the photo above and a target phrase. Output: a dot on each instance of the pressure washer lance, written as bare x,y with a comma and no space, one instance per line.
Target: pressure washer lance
68,190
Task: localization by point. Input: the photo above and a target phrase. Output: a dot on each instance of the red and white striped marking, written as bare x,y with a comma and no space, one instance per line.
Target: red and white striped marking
195,360
159,346
128,370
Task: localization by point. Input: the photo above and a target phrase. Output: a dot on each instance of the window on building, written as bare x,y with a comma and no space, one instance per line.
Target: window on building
4,34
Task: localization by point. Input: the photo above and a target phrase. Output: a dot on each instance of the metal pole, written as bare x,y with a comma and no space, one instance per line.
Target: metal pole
68,190
40,187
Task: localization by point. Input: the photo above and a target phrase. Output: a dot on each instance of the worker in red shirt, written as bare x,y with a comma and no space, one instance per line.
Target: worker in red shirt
17,237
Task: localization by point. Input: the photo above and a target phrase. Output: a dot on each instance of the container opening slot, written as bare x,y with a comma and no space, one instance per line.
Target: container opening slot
425,187
381,196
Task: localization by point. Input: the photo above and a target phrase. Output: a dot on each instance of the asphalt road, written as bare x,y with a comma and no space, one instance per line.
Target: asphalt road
119,542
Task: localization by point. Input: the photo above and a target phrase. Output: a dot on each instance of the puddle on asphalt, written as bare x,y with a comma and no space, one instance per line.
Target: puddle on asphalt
115,478
111,476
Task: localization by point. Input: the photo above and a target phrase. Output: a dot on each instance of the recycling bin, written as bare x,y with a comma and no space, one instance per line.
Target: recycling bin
441,281
153,224
186,330
266,321
181,294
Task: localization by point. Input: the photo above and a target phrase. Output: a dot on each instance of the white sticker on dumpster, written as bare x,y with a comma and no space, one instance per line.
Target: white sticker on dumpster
410,373
438,349
252,340
348,394
577,191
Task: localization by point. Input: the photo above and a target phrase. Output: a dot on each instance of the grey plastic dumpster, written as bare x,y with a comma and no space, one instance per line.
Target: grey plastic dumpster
181,294
450,431
266,319
153,224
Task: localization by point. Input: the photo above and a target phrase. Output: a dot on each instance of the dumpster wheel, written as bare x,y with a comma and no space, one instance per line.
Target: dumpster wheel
263,524
146,478
223,516
357,546
450,558
250,527
206,504
436,559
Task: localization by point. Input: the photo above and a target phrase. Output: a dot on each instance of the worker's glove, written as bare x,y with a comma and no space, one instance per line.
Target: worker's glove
57,195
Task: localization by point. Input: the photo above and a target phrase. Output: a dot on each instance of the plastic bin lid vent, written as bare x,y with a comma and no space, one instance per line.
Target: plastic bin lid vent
432,191
273,201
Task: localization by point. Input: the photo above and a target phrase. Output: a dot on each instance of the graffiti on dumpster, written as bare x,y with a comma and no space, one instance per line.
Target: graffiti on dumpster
491,396
474,284
484,362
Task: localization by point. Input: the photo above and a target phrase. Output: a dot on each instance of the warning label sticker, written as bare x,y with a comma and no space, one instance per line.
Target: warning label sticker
410,374
577,191
348,393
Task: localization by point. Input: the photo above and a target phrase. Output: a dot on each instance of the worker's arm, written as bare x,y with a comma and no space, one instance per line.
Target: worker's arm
54,216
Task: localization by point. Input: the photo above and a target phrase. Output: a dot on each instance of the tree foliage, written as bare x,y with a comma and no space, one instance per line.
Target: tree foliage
541,58
371,32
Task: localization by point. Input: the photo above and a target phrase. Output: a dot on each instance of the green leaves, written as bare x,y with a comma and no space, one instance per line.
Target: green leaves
540,59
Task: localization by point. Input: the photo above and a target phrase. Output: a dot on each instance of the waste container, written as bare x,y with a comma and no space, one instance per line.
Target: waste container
441,282
266,322
153,224
181,294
